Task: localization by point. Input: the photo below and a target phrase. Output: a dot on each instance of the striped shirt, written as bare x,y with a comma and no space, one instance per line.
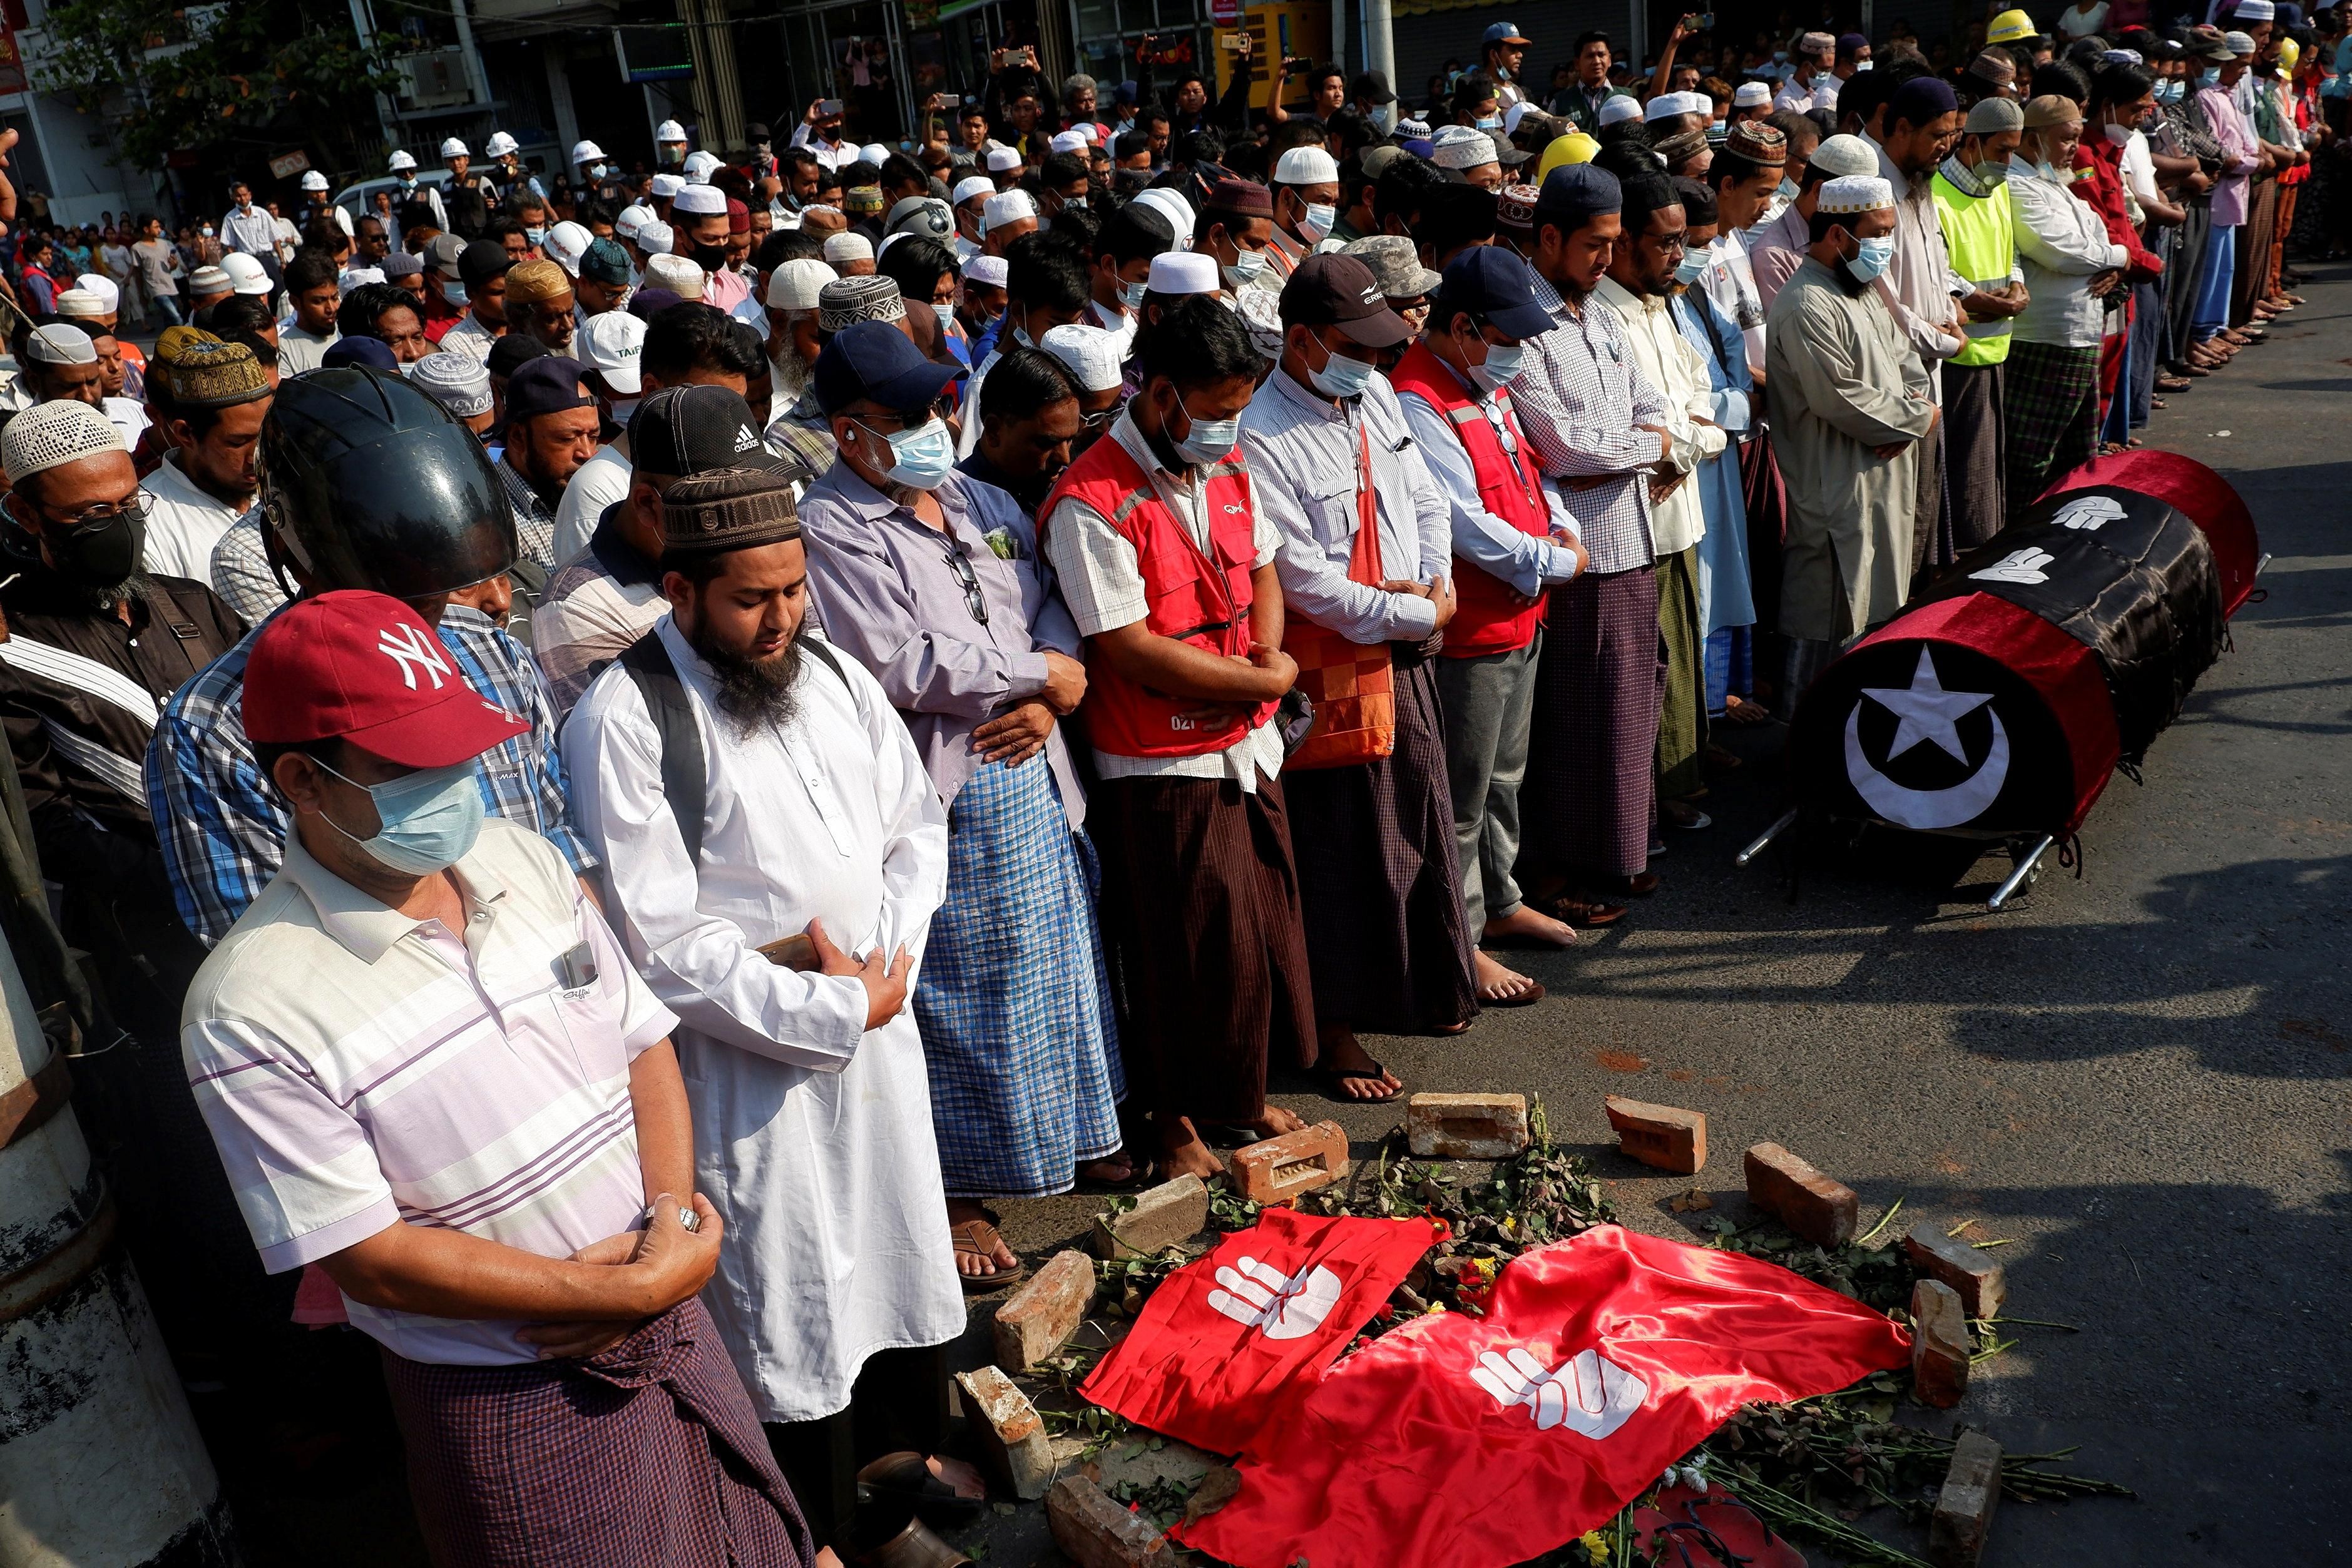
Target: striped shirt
359,1067
223,828
1580,399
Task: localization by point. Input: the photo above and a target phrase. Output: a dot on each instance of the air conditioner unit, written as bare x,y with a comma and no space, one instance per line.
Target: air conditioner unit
436,79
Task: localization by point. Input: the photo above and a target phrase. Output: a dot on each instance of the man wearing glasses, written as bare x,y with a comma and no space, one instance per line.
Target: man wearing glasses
95,646
931,578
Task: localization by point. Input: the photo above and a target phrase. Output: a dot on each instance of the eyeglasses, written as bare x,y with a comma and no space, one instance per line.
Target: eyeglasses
136,509
973,599
1098,421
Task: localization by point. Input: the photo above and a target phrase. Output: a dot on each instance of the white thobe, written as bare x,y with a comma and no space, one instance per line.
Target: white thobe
812,1135
1663,354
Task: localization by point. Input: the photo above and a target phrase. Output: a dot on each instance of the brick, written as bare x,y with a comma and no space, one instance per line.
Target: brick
1281,1168
1167,1216
1940,1345
1982,1286
1013,1447
1094,1532
1037,1319
1666,1137
1815,1208
1467,1126
1963,1516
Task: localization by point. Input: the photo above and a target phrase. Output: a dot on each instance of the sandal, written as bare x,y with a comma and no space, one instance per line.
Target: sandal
1526,999
1333,1082
902,1482
1588,913
979,1238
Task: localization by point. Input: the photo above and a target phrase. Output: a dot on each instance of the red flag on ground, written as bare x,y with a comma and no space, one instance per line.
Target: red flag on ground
1224,1340
1462,1442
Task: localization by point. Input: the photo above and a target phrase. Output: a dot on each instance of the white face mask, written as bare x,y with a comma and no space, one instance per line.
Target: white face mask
1321,216
1247,264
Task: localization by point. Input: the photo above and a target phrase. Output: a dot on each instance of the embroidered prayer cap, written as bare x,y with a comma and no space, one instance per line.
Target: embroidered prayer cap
796,284
678,274
605,262
989,271
49,435
1515,208
1816,44
1991,116
1850,194
212,374
846,301
1619,108
1413,131
1461,147
209,280
666,187
528,282
739,216
1306,166
400,264
1845,155
1006,207
1758,143
458,382
79,302
107,293
1994,66
1395,265
2050,109
1091,354
2254,11
172,337
1681,145
844,247
1180,272
862,201
2239,42
1751,95
732,510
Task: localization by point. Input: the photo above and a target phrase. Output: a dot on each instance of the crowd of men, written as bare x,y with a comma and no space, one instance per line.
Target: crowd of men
649,752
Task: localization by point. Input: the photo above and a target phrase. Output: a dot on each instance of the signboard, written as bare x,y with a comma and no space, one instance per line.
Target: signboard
286,165
1225,12
12,62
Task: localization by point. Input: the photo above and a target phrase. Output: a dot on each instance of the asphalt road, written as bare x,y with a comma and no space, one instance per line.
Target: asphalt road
2140,1075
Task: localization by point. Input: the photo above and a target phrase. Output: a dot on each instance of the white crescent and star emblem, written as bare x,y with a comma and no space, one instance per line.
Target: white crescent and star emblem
1926,714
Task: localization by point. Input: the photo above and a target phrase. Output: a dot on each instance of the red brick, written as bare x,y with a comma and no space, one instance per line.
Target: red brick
1014,1447
1817,1210
1467,1126
1666,1136
1940,1345
1982,1286
1281,1168
1037,1320
1964,1508
1094,1532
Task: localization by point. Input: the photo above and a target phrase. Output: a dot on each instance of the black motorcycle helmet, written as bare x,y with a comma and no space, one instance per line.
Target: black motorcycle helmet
368,483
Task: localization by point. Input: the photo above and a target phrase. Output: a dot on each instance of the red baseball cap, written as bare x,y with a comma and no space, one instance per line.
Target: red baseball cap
365,667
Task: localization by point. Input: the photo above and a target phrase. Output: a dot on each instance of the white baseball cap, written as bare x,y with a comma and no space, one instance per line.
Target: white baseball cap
669,131
400,160
314,181
613,342
565,244
453,147
499,145
245,275
586,152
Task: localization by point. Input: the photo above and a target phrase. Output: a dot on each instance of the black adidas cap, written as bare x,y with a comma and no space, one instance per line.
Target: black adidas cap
681,430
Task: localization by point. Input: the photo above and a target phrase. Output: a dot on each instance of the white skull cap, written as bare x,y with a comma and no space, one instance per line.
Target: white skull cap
678,274
1066,141
1854,193
1177,272
1003,160
872,153
990,271
1620,108
796,284
701,202
1006,207
1306,166
1090,352
844,247
50,433
667,186
103,289
971,186
656,237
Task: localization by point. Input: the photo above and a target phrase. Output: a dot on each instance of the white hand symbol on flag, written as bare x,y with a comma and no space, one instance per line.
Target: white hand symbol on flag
1586,1394
2017,566
2089,514
1279,1305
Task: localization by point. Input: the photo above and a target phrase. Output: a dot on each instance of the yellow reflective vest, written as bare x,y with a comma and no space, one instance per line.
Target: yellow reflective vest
1980,233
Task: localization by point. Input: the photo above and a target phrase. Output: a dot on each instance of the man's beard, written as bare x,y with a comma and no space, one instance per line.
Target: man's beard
792,378
105,598
752,694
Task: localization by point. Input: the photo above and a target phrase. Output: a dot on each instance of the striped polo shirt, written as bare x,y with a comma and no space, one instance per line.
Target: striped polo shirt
359,1067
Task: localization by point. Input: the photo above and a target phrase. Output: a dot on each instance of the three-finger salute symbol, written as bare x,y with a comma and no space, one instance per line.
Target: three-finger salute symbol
1279,1305
1586,1394
2017,566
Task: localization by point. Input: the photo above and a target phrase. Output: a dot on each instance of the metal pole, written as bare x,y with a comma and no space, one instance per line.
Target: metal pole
2008,890
1379,41
475,77
364,25
1780,826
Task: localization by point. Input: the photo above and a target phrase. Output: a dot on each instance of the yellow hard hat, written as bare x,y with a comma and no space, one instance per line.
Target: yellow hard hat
1575,147
2289,52
2010,28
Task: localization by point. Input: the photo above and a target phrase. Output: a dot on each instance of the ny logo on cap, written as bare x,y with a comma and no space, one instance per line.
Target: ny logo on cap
414,649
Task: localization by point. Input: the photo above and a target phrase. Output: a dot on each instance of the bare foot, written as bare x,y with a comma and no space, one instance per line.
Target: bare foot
826,1559
1526,924
1181,1152
1342,1056
967,1481
1497,983
1274,1123
1110,1170
998,1259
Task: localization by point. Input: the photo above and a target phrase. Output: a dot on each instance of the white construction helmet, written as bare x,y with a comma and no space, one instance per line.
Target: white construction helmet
400,160
453,147
669,131
586,152
501,144
314,181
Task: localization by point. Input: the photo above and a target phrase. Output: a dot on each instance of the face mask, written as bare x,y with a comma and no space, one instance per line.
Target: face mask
2047,171
1863,64
1873,257
1384,117
1504,360
2210,77
920,459
1786,190
1131,295
2120,135
1991,174
1245,269
206,231
103,554
1210,440
622,409
1321,216
1078,202
453,291
534,235
429,819
1491,122
710,257
1691,268
598,171
1342,376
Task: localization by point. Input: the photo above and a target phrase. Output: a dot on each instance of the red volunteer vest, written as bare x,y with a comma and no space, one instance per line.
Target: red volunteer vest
1485,619
1203,600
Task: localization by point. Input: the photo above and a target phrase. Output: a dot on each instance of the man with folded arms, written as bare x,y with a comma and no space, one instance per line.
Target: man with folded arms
429,1069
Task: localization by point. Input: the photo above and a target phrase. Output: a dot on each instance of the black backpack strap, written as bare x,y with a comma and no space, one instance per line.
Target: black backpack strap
686,778
824,656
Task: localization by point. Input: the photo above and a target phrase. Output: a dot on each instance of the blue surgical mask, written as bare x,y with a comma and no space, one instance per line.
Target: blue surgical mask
426,821
1321,216
1210,440
453,291
1491,122
1384,117
1131,295
1247,267
921,458
1786,189
1873,257
2210,77
534,235
1342,376
1692,267
1504,360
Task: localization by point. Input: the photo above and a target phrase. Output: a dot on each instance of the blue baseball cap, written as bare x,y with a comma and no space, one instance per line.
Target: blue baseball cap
1490,281
875,361
369,351
1504,33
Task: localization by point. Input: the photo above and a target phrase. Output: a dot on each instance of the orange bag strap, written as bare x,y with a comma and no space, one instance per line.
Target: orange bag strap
1364,561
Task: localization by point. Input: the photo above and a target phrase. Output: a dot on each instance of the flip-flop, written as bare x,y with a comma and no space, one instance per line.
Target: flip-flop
978,1237
1331,1079
1526,999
